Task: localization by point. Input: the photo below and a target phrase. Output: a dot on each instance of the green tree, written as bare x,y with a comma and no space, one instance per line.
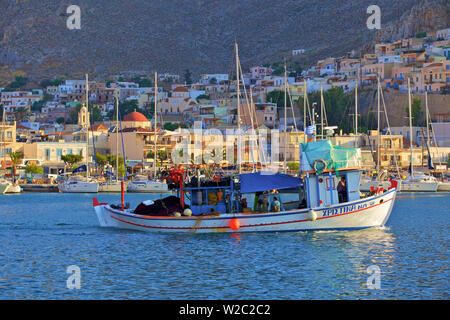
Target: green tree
162,156
19,82
203,97
188,76
277,96
71,159
96,114
125,108
337,107
416,112
293,166
101,161
20,114
73,118
16,159
60,120
34,169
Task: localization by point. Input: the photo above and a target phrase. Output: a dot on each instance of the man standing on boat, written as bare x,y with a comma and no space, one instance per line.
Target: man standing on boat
342,190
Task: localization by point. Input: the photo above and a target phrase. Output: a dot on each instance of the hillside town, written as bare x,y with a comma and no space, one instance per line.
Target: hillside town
53,120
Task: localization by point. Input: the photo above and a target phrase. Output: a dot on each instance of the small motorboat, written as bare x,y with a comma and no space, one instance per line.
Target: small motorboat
230,209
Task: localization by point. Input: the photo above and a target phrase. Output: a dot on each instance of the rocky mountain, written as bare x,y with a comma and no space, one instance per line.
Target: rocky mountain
426,15
174,35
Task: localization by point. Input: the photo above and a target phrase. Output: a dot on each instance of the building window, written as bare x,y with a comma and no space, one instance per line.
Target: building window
59,153
69,151
47,154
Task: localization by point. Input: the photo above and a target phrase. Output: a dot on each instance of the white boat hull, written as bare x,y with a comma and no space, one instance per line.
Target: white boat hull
147,187
443,186
111,187
13,189
419,186
366,213
78,187
3,188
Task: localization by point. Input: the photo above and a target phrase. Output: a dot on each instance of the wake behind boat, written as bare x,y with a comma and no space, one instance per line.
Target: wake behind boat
329,198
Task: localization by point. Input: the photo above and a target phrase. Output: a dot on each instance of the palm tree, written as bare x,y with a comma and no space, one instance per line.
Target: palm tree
16,159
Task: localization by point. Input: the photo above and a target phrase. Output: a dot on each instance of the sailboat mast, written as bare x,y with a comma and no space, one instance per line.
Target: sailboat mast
87,127
356,109
378,124
156,123
238,109
285,116
410,126
117,135
321,112
426,116
304,109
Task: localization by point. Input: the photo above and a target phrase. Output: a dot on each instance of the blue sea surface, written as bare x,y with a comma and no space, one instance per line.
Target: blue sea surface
41,235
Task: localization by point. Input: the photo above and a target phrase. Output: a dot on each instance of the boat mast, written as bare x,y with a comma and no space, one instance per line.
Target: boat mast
285,116
4,137
410,127
156,123
356,109
378,125
321,112
87,128
426,116
238,108
304,110
117,135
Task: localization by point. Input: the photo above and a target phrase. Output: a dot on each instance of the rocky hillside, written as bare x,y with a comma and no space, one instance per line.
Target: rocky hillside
173,35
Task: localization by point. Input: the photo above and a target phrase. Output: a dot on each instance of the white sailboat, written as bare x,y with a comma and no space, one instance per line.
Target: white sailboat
114,185
418,182
76,184
142,183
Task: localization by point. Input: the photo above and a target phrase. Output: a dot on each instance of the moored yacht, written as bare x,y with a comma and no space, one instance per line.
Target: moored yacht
144,185
76,184
420,183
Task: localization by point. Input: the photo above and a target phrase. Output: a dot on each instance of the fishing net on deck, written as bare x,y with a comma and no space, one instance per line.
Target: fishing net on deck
322,155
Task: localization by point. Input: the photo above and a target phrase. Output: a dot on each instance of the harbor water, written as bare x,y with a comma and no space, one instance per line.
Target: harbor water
42,235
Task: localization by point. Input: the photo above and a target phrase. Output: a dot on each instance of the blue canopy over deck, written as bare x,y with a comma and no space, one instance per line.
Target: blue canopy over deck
260,181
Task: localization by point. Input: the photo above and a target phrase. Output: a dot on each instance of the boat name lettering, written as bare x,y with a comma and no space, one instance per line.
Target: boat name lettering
342,210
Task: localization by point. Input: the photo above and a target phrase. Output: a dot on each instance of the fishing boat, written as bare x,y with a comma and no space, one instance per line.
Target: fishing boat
229,208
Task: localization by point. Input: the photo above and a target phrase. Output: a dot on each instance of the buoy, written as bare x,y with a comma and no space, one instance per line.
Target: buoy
177,214
234,224
312,215
187,212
